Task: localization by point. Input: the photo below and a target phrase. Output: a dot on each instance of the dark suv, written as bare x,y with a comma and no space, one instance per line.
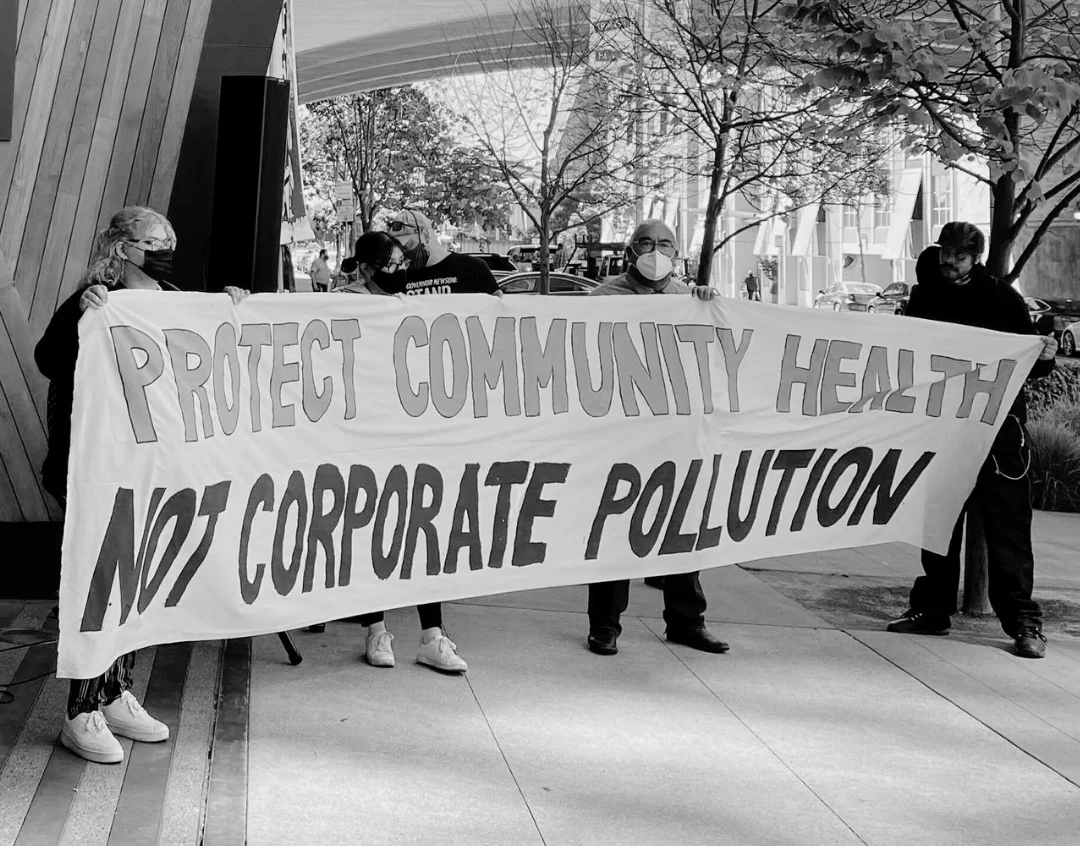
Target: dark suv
893,300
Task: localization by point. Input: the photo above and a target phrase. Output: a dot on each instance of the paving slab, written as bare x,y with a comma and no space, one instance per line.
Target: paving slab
1035,704
896,761
733,596
341,752
629,749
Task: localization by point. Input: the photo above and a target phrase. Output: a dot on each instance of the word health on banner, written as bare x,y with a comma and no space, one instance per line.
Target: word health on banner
239,471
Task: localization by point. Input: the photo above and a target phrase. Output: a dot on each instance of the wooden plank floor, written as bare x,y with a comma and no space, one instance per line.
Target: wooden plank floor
190,790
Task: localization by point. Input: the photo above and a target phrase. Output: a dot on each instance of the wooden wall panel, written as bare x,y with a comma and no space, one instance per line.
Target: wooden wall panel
102,94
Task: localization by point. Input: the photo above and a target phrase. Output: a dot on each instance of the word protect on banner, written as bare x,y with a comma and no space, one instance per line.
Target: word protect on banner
242,470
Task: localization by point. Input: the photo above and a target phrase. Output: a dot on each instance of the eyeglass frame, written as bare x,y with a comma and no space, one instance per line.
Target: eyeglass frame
654,246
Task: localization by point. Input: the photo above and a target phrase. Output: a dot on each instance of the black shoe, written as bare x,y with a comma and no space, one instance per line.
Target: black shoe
655,582
1031,643
603,643
915,622
318,628
697,638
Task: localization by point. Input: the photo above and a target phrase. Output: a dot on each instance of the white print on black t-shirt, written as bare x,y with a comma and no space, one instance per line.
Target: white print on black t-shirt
428,289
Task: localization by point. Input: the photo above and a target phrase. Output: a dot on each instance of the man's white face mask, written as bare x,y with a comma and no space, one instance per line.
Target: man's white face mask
654,265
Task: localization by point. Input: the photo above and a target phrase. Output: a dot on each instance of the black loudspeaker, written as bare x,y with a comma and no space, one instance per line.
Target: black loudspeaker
249,181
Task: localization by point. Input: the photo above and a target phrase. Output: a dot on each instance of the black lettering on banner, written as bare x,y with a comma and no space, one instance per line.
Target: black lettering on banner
345,332
191,381
787,461
262,495
675,541
361,478
421,519
816,472
739,527
504,474
255,336
700,335
833,377
396,486
526,550
545,366
888,500
215,499
328,480
284,577
596,402
466,508
709,536
861,458
733,356
646,377
116,558
611,504
136,378
180,507
490,364
225,351
315,402
949,368
283,415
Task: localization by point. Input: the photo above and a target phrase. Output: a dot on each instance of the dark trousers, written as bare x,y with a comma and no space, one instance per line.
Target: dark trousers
1005,505
86,695
430,616
684,603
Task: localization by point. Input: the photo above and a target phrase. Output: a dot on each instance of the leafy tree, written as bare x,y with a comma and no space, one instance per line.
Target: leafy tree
708,78
397,149
991,88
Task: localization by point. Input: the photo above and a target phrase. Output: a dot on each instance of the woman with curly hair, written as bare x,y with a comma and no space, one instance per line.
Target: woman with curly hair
135,251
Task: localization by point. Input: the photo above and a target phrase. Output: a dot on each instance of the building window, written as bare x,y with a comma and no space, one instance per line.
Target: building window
882,211
941,199
851,217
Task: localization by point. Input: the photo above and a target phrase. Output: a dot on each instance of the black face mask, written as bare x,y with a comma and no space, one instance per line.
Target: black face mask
157,264
418,256
385,280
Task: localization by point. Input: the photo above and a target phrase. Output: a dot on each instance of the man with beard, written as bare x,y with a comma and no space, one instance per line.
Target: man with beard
650,260
432,268
956,288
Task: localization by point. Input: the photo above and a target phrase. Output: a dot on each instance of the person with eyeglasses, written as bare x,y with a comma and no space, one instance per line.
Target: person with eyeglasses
379,259
433,269
650,264
135,251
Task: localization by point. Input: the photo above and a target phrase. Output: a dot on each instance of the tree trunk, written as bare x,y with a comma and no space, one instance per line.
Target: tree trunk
1003,204
712,214
545,266
976,592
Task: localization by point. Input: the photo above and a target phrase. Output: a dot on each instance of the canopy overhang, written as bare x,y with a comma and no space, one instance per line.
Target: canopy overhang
350,46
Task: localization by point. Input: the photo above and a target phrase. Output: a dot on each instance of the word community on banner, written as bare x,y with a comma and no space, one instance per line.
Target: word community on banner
238,471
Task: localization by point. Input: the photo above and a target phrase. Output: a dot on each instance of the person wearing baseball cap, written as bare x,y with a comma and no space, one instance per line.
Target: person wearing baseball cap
955,287
433,269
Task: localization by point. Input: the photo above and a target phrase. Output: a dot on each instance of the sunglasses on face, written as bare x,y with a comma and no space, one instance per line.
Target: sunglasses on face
401,226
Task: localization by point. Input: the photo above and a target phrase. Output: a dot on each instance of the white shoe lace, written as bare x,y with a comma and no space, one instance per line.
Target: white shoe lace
96,724
446,645
133,704
380,643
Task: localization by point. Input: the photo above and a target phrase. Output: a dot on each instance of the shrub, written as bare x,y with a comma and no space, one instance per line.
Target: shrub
1065,413
1062,386
1055,466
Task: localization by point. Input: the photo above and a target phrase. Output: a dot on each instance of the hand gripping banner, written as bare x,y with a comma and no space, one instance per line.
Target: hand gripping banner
241,470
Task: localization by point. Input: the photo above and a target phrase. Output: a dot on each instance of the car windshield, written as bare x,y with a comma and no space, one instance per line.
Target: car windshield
867,288
898,288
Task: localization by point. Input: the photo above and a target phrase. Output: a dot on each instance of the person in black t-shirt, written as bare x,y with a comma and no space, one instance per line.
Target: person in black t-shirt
432,268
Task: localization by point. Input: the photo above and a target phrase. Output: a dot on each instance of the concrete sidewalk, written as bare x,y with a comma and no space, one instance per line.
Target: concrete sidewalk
803,734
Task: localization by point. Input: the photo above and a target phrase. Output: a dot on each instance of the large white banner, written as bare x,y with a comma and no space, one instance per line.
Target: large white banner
296,459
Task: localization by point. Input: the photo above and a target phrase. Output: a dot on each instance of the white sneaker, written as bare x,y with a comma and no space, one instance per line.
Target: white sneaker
441,653
127,718
88,736
379,652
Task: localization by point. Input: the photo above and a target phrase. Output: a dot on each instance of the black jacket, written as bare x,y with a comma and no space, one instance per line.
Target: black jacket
984,301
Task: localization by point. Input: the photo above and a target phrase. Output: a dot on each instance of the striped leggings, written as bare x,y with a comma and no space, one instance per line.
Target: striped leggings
86,695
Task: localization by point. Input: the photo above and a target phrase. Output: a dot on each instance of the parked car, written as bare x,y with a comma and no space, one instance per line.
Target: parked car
848,296
561,284
499,264
893,300
525,257
1068,339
